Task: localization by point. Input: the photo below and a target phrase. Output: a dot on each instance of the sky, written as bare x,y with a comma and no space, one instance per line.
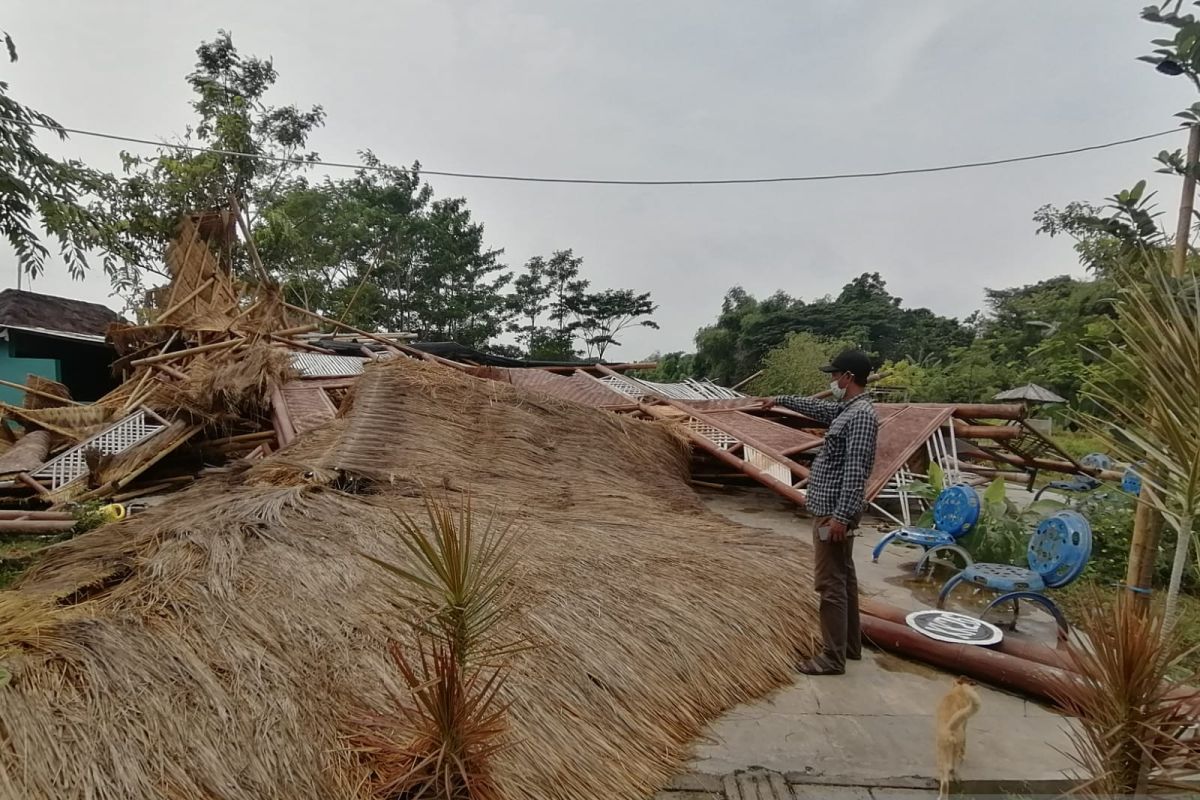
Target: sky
669,89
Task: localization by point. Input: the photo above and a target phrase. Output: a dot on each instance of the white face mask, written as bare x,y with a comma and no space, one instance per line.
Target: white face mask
837,391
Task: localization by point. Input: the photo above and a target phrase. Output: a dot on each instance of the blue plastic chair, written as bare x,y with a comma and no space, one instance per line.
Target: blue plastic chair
1131,481
955,513
1081,482
1058,552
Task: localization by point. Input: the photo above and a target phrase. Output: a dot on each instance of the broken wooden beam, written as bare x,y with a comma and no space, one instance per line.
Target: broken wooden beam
36,525
994,432
191,351
974,411
38,393
18,513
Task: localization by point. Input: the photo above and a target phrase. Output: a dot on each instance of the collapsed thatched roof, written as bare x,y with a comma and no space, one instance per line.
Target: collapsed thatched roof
217,646
34,310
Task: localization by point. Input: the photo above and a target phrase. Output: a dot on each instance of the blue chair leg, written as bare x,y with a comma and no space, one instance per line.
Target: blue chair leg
947,589
944,548
884,542
1034,597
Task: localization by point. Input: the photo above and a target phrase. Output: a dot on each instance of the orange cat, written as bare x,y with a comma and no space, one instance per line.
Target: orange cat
959,704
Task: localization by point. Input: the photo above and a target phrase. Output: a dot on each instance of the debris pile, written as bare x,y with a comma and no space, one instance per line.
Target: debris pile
221,644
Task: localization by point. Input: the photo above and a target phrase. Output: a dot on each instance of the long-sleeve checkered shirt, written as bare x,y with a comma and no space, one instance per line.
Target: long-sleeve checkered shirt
837,485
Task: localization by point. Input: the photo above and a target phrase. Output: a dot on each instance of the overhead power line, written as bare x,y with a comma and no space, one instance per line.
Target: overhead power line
837,176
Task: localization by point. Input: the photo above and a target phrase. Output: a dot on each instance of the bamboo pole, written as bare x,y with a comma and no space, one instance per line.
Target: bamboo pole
994,432
744,381
245,226
257,436
285,432
186,299
35,525
16,513
796,469
191,351
299,329
39,393
974,411
387,342
134,395
174,373
312,348
1147,522
25,478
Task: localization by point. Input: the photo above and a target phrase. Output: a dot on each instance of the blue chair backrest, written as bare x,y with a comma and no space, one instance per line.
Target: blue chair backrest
1060,548
1096,461
956,510
1131,481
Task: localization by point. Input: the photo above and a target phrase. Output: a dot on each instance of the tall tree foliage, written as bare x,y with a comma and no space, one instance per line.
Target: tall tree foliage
379,251
232,115
40,191
557,318
864,312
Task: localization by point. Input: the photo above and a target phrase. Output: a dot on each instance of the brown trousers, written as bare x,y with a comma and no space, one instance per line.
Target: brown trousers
837,584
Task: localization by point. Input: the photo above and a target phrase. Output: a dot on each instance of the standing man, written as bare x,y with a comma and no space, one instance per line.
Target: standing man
836,497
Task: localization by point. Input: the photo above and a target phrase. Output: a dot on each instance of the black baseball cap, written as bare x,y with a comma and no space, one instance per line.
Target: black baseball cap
856,362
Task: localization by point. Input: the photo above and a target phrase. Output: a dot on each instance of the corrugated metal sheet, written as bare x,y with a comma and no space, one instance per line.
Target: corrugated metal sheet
689,389
576,388
320,365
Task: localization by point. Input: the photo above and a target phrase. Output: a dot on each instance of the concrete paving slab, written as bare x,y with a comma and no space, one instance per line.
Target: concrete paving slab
831,793
874,725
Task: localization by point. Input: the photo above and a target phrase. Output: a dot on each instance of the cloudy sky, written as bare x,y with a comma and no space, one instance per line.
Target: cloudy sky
666,89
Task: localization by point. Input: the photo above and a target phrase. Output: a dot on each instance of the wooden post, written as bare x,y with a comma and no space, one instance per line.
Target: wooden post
1183,231
23,388
1147,523
250,248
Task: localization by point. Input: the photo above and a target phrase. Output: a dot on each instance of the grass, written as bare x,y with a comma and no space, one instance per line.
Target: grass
1079,443
16,552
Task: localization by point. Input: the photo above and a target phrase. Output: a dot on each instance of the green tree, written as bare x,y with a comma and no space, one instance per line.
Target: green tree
379,251
232,115
40,191
864,313
671,367
601,316
548,287
795,366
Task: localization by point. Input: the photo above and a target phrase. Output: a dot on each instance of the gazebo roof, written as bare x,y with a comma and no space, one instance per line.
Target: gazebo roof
1030,393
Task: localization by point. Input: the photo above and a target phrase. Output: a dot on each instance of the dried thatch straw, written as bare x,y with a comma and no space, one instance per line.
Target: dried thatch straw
46,387
75,423
218,646
226,386
29,453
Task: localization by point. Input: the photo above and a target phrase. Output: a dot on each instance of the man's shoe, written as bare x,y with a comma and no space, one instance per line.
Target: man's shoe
855,657
816,666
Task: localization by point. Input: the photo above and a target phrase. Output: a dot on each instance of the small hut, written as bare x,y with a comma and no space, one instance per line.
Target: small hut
1032,395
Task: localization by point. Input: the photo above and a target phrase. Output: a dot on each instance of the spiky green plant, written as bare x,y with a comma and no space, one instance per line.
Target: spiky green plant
1132,720
1148,393
438,742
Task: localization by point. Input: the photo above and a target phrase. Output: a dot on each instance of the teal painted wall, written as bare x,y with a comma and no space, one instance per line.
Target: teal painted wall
14,370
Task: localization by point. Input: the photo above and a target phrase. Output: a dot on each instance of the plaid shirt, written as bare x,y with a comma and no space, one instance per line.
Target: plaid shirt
837,485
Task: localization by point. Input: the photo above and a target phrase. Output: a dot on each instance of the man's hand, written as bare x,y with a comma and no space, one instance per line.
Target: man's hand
768,403
837,530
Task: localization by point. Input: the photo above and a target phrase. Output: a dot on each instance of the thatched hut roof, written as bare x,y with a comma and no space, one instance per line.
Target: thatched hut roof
217,646
33,310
